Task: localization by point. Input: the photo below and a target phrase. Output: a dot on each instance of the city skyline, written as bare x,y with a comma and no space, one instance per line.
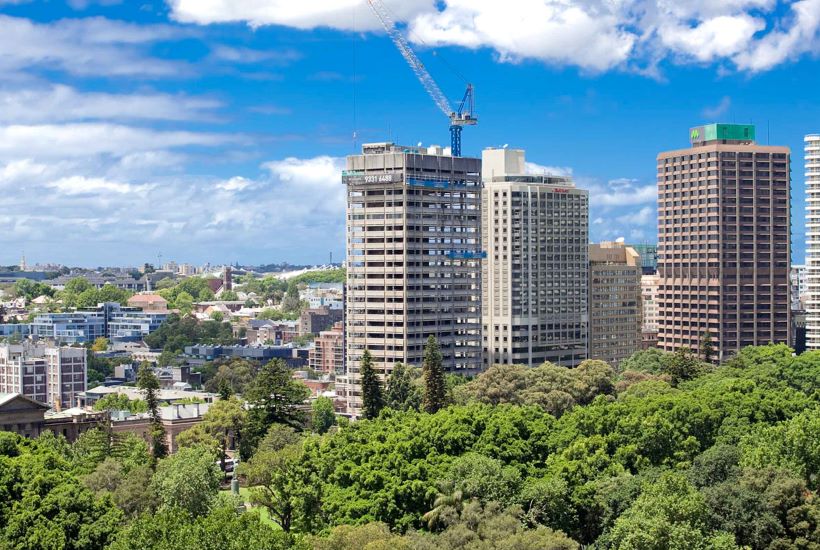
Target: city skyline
116,115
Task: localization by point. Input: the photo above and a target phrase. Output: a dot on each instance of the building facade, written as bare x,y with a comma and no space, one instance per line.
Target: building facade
723,241
328,354
649,311
535,230
413,260
614,302
649,257
48,374
812,301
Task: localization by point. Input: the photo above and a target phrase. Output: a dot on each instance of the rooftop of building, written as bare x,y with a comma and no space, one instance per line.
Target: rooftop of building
382,147
135,393
614,252
504,165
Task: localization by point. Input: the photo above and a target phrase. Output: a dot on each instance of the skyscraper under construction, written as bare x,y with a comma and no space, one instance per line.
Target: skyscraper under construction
413,260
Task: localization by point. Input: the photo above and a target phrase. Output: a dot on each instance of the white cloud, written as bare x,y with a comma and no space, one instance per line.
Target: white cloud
718,110
339,14
622,192
88,46
595,35
87,139
540,169
248,55
550,31
803,35
58,207
61,103
81,185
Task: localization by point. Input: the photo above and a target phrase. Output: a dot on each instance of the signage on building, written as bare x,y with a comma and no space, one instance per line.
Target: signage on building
372,178
697,135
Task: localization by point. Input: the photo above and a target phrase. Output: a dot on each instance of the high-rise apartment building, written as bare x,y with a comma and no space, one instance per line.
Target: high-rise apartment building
614,302
413,260
723,241
535,230
812,160
49,374
649,311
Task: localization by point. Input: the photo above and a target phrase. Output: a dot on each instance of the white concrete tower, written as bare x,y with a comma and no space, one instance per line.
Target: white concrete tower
812,150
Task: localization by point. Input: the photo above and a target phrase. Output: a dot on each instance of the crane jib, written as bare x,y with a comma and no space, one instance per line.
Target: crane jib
462,116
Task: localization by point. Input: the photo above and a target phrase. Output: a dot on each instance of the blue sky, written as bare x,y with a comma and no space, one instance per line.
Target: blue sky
214,130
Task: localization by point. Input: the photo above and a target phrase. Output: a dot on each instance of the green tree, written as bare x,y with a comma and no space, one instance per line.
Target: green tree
278,482
323,415
682,366
273,397
291,302
149,384
404,390
223,528
184,302
135,495
435,386
100,344
188,480
706,349
669,515
372,395
225,421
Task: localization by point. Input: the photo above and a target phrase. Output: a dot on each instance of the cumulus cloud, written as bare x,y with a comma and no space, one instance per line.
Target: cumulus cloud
753,35
62,103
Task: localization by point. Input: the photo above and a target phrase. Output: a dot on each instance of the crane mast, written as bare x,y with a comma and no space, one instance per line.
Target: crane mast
463,116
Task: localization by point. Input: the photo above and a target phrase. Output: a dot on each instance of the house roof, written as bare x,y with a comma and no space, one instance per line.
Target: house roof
146,298
8,398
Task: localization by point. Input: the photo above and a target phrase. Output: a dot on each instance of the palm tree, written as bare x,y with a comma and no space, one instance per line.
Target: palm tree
449,497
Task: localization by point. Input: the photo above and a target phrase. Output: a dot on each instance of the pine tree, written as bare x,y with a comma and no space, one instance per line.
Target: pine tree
403,393
149,384
707,350
435,385
372,395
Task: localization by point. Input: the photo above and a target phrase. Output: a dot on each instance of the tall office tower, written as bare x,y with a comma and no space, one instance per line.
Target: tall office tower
649,308
614,302
723,241
535,230
413,260
812,150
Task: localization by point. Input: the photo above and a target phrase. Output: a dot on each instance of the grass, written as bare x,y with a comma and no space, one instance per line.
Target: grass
245,493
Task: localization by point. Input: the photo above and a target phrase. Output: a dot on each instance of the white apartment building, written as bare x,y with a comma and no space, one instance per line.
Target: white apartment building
535,231
812,150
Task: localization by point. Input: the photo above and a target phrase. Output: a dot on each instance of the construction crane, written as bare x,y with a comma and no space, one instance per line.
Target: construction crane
463,116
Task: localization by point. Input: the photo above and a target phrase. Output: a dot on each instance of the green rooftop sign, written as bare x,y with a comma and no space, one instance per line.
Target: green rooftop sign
712,132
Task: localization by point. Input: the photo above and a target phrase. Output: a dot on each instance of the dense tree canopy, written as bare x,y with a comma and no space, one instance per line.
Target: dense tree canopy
177,332
652,457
